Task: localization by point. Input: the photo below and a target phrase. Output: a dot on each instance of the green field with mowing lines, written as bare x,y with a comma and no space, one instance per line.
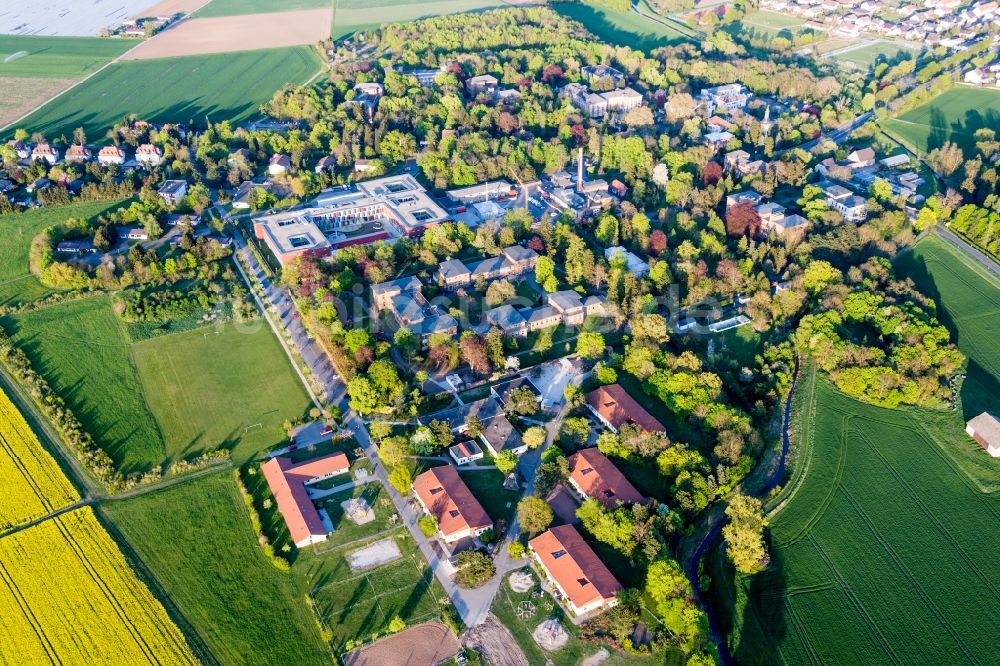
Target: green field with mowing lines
167,398
969,305
879,555
358,15
33,56
241,7
954,115
17,284
210,388
629,29
865,56
197,540
81,349
188,90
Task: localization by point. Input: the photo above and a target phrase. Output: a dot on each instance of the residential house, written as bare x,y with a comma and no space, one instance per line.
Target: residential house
149,155
109,155
861,159
325,163
442,494
738,198
852,207
584,583
279,164
592,474
172,191
618,188
21,149
465,452
498,433
615,407
985,429
717,140
78,154
502,390
288,480
43,152
132,233
484,83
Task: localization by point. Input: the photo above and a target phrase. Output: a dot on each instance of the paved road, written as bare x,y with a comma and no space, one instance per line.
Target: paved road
983,259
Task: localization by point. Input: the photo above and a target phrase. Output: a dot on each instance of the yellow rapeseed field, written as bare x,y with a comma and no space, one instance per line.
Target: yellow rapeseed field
68,596
33,485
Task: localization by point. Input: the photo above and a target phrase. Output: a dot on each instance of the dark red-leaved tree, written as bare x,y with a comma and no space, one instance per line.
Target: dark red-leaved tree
552,74
711,174
536,244
742,220
657,243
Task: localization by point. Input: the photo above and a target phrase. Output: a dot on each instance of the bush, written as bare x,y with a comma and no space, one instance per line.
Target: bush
428,525
401,478
516,550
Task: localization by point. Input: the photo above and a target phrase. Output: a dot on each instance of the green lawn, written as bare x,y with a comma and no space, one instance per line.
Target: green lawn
197,540
167,398
57,57
240,7
969,305
629,29
208,389
188,90
17,284
346,530
954,115
879,556
487,486
866,56
81,349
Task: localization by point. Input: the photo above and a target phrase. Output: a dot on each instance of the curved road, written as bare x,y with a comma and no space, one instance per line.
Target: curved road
709,540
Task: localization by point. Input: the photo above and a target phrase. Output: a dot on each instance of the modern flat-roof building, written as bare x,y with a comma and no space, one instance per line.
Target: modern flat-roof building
288,482
583,581
615,407
291,235
592,474
985,429
442,494
493,189
172,191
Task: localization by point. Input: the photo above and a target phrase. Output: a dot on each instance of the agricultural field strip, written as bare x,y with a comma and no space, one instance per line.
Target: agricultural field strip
807,441
854,601
801,632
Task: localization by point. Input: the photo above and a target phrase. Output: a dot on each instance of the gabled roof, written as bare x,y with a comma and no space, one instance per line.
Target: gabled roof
287,482
449,500
599,478
574,566
987,430
617,407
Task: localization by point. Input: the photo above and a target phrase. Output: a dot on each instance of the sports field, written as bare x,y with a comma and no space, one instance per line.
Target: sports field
865,56
208,389
628,29
954,115
167,398
881,553
197,540
969,305
188,90
33,485
69,597
17,284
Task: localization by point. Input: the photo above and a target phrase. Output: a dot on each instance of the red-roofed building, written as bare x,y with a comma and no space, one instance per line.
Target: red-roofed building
615,407
583,581
592,475
443,494
288,482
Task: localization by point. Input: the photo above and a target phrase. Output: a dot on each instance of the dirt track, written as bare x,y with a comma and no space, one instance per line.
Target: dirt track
171,7
421,645
226,34
495,643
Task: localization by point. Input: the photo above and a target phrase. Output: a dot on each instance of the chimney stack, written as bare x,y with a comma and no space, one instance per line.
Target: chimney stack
579,171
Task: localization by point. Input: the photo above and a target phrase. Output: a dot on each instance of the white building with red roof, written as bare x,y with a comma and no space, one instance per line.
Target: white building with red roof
288,482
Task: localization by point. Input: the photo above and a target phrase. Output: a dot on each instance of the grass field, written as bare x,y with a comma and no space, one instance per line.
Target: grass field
628,29
17,284
187,90
487,487
969,305
356,15
239,7
171,397
197,540
81,349
954,115
70,597
877,557
33,484
867,55
34,57
207,388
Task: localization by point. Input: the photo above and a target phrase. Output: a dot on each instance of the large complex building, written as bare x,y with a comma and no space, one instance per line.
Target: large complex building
442,494
592,475
615,407
512,261
583,581
731,97
373,210
288,482
404,298
564,307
